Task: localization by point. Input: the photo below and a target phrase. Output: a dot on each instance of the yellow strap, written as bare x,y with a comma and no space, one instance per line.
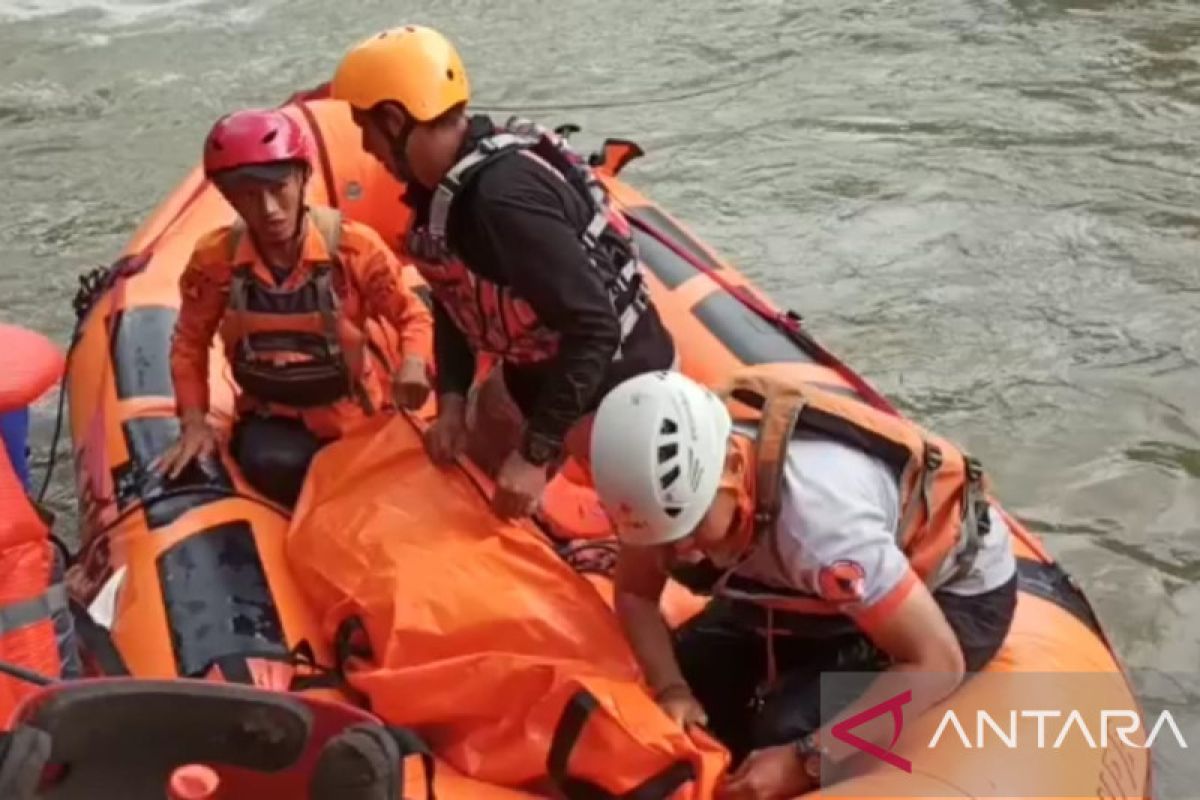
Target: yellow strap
779,403
976,522
328,222
775,432
927,471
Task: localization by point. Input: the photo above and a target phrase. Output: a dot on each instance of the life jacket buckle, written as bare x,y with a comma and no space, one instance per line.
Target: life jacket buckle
933,457
763,518
423,245
566,129
983,519
974,469
490,145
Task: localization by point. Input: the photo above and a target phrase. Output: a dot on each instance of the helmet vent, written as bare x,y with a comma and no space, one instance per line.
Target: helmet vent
669,477
673,511
667,451
270,137
668,426
449,73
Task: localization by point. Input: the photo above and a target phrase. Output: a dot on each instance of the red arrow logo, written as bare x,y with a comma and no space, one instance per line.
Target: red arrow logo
894,705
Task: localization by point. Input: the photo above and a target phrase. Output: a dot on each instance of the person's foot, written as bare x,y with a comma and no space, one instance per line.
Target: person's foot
360,763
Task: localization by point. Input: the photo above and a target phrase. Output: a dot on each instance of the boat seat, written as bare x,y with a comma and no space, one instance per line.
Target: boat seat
123,738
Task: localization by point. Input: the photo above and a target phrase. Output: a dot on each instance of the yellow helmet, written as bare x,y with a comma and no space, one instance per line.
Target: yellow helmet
414,66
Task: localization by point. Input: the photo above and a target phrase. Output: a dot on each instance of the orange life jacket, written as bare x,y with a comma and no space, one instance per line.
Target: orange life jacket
943,505
294,347
493,318
28,597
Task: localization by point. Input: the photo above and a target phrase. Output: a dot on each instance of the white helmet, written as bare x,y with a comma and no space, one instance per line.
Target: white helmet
658,450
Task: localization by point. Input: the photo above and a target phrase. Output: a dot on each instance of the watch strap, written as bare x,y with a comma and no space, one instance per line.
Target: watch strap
539,450
810,754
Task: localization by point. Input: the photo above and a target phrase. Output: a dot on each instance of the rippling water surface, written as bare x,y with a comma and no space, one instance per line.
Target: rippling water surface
988,207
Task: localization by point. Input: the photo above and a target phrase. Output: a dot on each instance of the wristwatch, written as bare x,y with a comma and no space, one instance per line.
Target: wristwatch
810,754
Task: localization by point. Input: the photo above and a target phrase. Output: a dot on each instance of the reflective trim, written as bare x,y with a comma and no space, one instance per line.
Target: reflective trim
16,616
56,597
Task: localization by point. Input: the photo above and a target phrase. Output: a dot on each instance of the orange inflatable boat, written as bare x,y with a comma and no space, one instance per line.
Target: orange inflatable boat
523,688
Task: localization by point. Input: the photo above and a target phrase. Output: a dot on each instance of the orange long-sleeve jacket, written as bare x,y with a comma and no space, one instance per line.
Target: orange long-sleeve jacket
370,286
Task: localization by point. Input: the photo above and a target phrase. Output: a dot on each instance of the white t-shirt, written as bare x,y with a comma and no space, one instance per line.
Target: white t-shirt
836,535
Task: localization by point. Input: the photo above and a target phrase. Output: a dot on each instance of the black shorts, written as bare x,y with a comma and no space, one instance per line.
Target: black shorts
274,454
724,660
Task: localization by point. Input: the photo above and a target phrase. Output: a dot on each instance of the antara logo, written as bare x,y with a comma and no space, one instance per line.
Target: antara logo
894,706
1075,726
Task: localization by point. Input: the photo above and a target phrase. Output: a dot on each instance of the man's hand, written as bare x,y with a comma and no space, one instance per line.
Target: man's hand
772,773
197,439
447,436
681,706
519,486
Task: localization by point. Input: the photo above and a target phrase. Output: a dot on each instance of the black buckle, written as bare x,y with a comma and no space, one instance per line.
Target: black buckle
424,246
983,519
933,457
349,640
974,468
763,520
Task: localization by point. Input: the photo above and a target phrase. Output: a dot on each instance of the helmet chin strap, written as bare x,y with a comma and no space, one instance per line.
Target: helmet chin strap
399,148
740,484
302,213
297,241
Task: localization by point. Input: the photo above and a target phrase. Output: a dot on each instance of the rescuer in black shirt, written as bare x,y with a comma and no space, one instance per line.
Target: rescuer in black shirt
525,260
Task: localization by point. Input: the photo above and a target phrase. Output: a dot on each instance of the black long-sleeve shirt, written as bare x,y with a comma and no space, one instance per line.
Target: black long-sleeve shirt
518,225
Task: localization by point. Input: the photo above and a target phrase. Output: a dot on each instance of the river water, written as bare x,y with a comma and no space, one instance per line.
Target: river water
989,207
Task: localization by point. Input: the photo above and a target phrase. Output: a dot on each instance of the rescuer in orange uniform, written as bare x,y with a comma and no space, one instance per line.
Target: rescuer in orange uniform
290,288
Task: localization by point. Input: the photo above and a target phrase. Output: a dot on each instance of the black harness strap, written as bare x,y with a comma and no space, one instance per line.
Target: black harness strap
97,641
409,744
574,719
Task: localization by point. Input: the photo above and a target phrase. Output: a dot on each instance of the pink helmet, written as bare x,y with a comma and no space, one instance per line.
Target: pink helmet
255,138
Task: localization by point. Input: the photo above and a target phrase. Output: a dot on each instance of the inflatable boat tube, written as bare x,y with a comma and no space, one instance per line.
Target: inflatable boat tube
192,577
